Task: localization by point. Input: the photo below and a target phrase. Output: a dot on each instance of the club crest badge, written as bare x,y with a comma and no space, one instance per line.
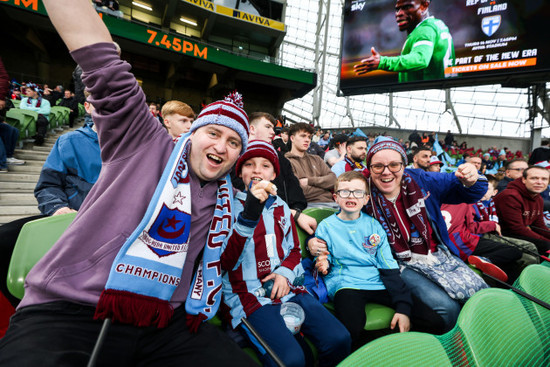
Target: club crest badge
374,239
169,231
371,243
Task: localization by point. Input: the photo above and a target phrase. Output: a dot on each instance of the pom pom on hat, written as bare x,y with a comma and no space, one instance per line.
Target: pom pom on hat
259,148
229,113
236,98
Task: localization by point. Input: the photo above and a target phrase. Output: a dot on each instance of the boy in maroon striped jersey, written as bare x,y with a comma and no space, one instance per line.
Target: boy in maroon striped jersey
263,246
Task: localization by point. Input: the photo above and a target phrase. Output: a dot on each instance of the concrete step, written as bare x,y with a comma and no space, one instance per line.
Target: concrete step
32,151
44,148
18,187
26,168
19,210
31,162
16,199
28,155
18,177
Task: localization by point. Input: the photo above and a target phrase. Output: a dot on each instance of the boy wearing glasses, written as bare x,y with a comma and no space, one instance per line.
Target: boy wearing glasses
358,267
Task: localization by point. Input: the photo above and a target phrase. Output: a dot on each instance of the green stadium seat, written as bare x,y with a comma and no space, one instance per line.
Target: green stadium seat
17,120
497,330
81,110
378,316
534,281
16,102
66,113
405,349
26,123
32,124
55,118
35,239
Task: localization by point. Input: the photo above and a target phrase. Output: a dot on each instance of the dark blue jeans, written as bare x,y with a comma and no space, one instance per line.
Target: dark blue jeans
64,334
8,140
329,336
433,296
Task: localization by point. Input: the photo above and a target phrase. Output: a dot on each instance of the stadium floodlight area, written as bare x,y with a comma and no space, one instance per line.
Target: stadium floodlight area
478,110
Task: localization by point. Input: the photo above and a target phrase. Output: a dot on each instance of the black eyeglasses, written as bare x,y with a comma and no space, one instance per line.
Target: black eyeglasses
358,194
379,167
517,169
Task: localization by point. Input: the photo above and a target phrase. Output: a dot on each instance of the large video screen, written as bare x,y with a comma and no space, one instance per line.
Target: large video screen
394,45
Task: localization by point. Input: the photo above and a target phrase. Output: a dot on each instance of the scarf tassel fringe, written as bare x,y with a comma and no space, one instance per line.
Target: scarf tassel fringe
131,308
194,321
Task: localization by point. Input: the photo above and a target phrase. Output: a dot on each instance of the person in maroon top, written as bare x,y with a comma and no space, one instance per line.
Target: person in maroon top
520,208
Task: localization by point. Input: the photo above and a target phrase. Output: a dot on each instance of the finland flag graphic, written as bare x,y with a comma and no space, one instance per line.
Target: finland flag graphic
489,25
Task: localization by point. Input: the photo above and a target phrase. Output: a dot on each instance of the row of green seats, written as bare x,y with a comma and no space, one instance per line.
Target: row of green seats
496,327
25,120
59,116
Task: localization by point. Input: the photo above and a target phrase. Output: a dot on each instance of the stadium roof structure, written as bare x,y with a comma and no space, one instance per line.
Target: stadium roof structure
192,45
313,41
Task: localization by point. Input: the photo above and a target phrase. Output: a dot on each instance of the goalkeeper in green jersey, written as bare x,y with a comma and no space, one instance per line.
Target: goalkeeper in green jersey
428,49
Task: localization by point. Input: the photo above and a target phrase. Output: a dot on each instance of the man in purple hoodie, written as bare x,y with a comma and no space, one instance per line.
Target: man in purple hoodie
54,323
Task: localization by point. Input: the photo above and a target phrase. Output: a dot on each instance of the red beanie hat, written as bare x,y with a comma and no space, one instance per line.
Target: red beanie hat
259,148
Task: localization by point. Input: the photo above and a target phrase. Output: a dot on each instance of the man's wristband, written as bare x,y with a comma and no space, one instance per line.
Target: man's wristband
297,215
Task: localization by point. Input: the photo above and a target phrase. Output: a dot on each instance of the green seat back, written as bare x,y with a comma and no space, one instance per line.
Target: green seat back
534,280
33,115
81,110
35,239
16,102
496,330
65,111
55,118
25,122
319,214
378,316
405,349
496,327
17,120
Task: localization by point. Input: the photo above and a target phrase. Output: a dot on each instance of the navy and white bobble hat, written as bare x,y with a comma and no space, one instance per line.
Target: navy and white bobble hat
229,113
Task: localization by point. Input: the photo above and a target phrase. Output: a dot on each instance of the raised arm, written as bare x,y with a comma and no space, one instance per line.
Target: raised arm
77,22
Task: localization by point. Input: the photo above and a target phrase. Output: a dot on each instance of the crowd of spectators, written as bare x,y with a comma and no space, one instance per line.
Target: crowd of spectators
410,230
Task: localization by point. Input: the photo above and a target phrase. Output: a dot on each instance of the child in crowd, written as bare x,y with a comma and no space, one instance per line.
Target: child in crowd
359,267
469,237
177,117
264,246
484,210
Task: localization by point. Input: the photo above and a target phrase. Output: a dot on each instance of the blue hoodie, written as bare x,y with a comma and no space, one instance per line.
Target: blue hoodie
445,188
70,170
